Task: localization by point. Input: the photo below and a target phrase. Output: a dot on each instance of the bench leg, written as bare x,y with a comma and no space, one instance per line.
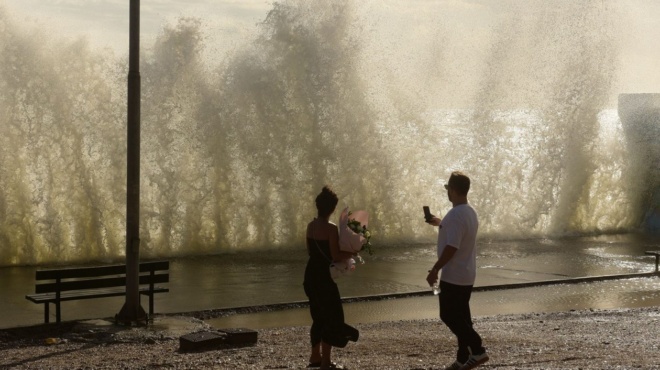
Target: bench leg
58,317
47,312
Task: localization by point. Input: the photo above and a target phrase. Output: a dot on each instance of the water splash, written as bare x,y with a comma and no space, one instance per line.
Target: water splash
234,149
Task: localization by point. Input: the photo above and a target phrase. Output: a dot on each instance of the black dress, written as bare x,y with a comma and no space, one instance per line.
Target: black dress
324,299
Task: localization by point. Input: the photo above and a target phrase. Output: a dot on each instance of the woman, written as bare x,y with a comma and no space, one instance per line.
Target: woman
328,327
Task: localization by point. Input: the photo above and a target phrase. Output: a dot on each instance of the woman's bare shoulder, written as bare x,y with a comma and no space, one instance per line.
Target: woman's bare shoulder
309,228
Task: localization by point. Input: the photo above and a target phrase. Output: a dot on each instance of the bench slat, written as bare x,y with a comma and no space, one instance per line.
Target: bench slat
99,283
94,271
88,294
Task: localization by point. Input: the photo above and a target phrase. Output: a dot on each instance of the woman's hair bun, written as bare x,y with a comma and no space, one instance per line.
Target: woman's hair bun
326,190
326,201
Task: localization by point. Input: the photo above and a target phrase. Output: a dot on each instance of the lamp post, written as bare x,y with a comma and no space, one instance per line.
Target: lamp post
132,312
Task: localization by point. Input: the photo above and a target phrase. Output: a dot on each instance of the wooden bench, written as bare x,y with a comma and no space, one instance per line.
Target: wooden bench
657,258
68,284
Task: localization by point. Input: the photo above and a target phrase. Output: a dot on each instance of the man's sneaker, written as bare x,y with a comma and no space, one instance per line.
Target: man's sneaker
455,366
474,361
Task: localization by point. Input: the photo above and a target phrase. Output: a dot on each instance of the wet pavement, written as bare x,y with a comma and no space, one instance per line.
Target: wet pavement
623,293
253,279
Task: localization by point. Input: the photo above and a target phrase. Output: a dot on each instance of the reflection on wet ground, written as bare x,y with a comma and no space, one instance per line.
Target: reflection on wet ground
258,278
627,293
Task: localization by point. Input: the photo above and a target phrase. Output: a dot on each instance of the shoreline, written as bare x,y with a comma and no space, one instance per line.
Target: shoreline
586,339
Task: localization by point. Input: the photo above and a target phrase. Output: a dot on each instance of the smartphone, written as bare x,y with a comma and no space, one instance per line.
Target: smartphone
427,214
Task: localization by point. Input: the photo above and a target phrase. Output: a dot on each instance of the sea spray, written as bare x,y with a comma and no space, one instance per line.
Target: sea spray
235,148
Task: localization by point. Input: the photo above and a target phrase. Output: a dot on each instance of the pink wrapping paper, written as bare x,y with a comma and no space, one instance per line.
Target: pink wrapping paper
349,241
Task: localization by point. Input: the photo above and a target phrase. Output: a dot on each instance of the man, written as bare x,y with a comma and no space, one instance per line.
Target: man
457,252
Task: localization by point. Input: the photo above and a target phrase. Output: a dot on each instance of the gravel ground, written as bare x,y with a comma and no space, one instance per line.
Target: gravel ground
608,339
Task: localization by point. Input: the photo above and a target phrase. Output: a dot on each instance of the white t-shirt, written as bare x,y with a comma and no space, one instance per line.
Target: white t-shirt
459,230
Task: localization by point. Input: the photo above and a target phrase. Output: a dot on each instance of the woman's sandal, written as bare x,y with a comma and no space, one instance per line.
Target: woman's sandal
335,366
317,365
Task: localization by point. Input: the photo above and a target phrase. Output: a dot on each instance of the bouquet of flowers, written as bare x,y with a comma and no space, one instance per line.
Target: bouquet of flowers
354,236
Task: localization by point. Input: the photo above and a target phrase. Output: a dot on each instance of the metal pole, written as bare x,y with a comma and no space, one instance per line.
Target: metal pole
132,312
